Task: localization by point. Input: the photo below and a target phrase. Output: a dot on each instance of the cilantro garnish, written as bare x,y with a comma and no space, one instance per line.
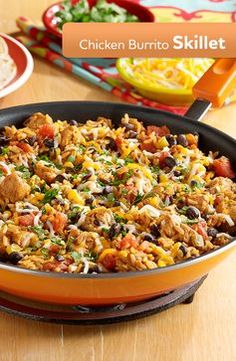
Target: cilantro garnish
50,195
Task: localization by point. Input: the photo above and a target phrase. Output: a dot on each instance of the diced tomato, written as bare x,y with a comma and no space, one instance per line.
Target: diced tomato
148,146
218,200
54,249
46,131
163,157
49,266
159,131
109,262
128,241
119,141
27,220
24,146
223,167
200,228
59,222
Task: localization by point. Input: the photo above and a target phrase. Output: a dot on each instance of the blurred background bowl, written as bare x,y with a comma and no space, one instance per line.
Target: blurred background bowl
50,20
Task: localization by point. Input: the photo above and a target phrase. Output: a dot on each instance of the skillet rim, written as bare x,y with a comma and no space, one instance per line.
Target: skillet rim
108,275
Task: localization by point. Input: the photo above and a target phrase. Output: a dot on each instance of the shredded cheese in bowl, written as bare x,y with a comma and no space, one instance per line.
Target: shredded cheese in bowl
160,79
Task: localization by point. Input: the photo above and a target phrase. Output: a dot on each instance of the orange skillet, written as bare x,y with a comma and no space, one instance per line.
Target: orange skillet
112,288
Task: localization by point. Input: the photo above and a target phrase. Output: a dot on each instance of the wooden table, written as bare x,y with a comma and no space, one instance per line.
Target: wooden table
204,330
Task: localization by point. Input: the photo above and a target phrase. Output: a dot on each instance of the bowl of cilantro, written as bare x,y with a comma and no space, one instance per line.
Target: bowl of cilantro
104,11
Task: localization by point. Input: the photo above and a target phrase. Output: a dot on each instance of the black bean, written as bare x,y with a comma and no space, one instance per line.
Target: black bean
183,250
87,176
89,201
112,144
212,232
132,134
107,190
3,140
129,126
181,139
116,204
15,257
3,257
149,238
32,140
59,178
72,122
59,258
171,140
114,230
192,213
155,230
177,173
97,222
193,183
94,268
49,143
169,162
75,218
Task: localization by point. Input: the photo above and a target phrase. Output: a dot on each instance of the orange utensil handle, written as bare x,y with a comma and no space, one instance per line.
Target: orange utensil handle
217,83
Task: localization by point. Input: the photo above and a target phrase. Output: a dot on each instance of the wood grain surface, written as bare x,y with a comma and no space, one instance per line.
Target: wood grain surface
204,330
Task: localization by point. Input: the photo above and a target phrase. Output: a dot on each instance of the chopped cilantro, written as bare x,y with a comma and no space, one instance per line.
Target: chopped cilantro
24,170
138,198
129,160
119,219
44,157
5,150
87,190
82,148
43,210
71,159
106,230
91,256
50,195
38,230
118,181
191,221
58,241
155,169
1,173
197,184
76,256
101,183
111,197
45,252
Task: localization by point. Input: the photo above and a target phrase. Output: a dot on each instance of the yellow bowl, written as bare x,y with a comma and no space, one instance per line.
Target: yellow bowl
158,93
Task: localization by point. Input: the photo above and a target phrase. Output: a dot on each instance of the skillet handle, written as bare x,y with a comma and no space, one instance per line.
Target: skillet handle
217,83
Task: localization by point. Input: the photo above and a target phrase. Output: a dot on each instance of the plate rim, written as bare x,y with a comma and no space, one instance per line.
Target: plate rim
25,75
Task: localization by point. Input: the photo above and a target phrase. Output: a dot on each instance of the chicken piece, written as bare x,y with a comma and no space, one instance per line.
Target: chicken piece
37,120
199,200
98,218
46,173
70,135
13,188
86,240
222,184
227,206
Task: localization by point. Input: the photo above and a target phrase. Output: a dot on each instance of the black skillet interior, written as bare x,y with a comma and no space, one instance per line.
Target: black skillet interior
210,138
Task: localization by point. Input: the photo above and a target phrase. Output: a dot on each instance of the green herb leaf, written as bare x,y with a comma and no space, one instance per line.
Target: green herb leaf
5,150
50,195
76,256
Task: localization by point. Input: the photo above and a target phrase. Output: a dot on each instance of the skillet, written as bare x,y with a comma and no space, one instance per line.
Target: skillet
113,288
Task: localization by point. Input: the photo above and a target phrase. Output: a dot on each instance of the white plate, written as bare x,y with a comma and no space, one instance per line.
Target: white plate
24,63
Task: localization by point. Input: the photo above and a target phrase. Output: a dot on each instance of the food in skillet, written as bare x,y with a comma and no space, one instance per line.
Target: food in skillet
7,65
84,198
